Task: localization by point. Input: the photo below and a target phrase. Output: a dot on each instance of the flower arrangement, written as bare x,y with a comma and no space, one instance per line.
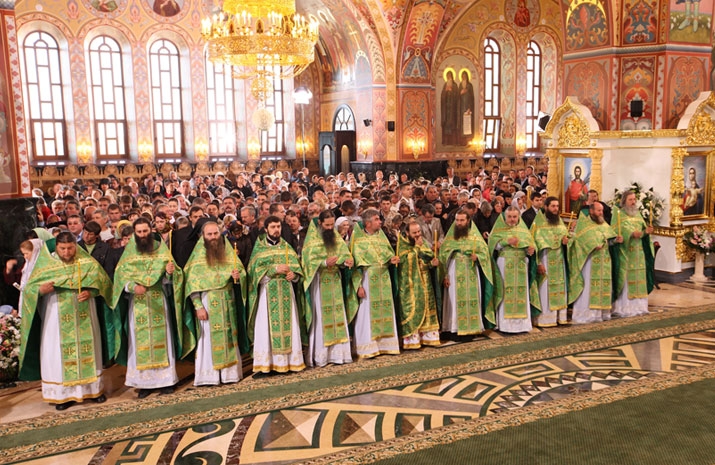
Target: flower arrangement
647,201
9,347
700,239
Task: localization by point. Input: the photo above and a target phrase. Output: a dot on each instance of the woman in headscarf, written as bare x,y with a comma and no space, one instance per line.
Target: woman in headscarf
519,201
30,251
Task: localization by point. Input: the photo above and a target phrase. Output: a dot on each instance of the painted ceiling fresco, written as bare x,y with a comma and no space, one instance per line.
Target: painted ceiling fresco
350,27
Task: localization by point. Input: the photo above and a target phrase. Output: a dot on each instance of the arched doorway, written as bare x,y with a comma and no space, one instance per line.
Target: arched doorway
345,137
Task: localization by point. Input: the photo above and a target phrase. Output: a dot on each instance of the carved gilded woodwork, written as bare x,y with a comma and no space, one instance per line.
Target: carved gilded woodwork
131,169
237,167
111,169
701,130
596,178
641,134
573,133
677,186
552,182
166,168
184,169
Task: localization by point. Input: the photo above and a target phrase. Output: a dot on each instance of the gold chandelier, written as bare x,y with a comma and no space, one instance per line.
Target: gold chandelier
261,37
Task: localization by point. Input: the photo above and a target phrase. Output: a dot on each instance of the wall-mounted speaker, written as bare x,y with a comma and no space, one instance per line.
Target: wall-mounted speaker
636,108
391,126
367,122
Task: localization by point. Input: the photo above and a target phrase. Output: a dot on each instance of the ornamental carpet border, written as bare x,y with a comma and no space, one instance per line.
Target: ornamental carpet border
407,357
289,399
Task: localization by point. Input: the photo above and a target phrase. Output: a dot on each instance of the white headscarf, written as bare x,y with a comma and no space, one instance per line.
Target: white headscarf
515,201
37,244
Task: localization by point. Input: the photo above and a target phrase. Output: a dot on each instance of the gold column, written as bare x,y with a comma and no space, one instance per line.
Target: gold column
677,186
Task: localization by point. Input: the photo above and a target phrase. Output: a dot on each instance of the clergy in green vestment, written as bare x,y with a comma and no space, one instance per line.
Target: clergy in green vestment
66,324
468,279
148,300
511,244
215,280
276,322
633,260
417,301
375,326
327,262
551,237
589,259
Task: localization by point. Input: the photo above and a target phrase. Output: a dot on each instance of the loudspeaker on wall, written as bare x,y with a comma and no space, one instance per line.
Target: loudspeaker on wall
636,108
391,126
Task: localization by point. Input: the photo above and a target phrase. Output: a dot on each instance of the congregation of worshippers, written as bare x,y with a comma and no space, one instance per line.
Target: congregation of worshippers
297,270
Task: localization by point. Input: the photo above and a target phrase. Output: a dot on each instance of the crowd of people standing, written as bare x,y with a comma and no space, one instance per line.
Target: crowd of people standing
299,270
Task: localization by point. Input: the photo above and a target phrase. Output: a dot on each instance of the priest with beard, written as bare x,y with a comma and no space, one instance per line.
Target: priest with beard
64,331
148,299
215,278
468,281
511,244
589,260
551,236
633,261
325,258
375,325
276,315
417,302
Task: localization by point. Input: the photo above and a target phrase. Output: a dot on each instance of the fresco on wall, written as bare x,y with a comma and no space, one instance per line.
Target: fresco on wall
586,25
685,82
522,14
456,107
589,82
166,8
640,22
104,6
638,78
8,183
690,21
417,48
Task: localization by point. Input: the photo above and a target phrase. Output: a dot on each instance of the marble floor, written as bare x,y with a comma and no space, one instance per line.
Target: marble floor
307,432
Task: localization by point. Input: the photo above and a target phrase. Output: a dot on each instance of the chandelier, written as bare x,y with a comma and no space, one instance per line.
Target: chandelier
261,37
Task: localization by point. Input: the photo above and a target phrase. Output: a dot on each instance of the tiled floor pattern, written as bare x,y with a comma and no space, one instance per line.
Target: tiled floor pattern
309,431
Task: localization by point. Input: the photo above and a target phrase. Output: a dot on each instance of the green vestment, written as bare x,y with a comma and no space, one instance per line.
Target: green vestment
418,306
513,286
372,254
591,239
226,309
632,266
469,306
333,297
149,270
548,238
279,291
76,336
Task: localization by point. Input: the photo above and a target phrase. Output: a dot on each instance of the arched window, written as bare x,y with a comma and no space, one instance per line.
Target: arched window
44,98
106,88
344,119
220,103
492,85
167,110
273,140
533,95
